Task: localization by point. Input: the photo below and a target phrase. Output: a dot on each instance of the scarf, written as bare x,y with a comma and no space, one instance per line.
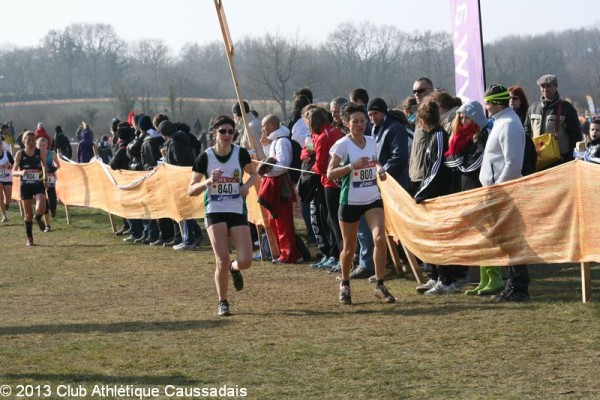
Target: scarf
461,139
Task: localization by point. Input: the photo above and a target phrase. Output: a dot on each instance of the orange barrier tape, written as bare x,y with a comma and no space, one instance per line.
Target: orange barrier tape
549,217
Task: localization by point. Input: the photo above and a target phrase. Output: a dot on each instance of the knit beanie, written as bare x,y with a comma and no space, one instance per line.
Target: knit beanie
474,111
145,123
377,104
497,94
167,128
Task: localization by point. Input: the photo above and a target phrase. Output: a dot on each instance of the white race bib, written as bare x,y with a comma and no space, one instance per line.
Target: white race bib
31,176
366,176
4,173
224,189
51,180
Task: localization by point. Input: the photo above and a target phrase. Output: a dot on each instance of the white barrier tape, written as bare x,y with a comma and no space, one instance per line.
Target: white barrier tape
281,166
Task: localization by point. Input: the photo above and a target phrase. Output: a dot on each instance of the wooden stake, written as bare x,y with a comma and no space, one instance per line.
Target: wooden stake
111,218
586,282
68,214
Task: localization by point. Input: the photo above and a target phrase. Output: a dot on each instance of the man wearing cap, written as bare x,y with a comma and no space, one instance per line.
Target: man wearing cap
253,123
392,141
542,118
502,162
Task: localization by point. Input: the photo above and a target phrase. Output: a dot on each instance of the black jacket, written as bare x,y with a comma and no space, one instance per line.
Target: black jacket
437,177
61,142
134,152
120,159
150,151
179,151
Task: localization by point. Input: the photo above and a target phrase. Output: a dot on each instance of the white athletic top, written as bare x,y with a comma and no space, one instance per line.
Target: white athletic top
223,195
359,187
5,169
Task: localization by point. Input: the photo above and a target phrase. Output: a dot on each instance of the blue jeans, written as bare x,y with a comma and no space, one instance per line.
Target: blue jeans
188,234
365,241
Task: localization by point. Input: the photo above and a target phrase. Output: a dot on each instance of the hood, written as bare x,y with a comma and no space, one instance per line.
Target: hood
181,137
283,131
153,133
86,134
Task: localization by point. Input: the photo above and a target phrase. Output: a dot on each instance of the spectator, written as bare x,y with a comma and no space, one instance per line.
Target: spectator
436,182
61,143
326,205
177,151
105,150
335,107
121,161
422,88
253,125
552,115
86,149
277,191
502,162
518,102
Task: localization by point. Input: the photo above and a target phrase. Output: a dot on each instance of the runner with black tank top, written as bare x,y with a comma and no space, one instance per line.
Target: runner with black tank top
31,169
218,173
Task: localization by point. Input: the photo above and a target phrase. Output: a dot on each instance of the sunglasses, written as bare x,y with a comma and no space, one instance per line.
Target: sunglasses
420,91
224,131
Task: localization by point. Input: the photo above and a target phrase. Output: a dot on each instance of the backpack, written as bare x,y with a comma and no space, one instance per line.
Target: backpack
104,152
296,160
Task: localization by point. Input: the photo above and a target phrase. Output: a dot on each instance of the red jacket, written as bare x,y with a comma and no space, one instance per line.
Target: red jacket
322,142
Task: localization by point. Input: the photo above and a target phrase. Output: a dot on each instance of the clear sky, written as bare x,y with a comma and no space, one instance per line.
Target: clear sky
178,22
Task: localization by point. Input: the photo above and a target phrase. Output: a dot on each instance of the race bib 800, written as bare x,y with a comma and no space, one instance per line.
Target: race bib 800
366,176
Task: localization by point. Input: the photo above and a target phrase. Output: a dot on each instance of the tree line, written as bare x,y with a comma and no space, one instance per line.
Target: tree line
91,60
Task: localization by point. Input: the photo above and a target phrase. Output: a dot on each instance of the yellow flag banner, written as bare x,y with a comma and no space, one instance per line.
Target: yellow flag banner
548,217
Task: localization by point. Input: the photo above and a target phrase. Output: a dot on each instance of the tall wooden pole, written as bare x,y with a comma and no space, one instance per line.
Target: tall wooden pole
259,154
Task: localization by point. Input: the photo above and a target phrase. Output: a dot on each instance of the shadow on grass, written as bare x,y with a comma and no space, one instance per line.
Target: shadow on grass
117,327
102,379
398,309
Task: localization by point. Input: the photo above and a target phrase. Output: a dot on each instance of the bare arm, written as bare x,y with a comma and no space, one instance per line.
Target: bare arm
254,177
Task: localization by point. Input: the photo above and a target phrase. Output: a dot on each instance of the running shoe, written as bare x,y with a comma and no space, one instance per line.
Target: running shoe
345,297
382,293
29,241
223,309
236,277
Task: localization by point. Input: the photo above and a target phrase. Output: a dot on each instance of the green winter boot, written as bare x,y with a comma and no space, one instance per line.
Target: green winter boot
495,283
483,281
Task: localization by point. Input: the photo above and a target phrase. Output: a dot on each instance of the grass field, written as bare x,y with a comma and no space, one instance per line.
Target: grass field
83,309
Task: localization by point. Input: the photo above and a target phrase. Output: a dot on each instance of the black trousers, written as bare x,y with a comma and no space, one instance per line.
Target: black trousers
518,278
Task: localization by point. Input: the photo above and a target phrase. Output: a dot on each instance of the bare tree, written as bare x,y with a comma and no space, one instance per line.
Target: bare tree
272,63
95,41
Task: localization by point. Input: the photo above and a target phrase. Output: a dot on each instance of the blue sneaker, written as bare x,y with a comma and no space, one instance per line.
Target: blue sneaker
257,257
318,263
331,262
